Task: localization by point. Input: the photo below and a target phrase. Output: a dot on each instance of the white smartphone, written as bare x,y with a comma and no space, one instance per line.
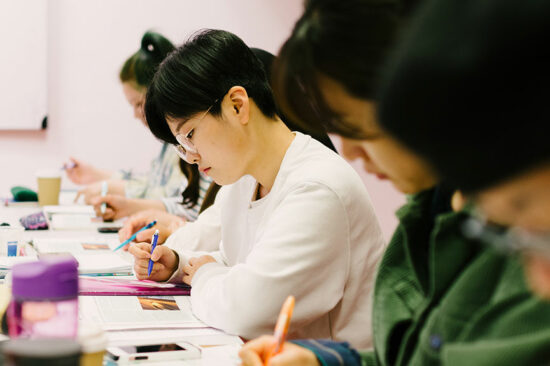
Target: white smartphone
153,352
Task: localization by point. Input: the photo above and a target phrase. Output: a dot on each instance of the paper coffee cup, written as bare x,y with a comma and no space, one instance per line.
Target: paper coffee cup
49,185
93,342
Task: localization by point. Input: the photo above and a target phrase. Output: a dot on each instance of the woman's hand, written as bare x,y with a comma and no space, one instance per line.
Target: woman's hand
84,173
92,191
166,261
166,225
116,206
194,265
255,352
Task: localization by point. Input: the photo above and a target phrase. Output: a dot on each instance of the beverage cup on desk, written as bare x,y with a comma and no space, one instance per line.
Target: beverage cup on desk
44,301
49,185
11,240
93,342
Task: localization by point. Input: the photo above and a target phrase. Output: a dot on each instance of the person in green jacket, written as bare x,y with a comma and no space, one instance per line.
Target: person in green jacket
440,297
496,92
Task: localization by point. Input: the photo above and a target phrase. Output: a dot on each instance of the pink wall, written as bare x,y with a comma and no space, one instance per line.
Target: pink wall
89,118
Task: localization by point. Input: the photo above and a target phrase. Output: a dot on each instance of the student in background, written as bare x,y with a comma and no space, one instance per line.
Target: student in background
292,215
171,184
440,298
494,96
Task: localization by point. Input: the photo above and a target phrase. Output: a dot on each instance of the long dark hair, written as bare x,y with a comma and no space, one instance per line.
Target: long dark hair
344,40
139,69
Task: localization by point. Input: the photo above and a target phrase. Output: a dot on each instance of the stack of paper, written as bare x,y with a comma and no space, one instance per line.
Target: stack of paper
105,264
72,217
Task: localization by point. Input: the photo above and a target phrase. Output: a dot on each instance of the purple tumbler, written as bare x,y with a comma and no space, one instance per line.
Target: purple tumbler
44,299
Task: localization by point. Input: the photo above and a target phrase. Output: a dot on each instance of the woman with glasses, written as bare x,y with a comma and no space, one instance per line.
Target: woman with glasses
293,216
171,185
440,298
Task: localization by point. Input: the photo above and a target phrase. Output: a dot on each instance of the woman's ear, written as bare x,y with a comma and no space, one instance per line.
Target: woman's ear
239,104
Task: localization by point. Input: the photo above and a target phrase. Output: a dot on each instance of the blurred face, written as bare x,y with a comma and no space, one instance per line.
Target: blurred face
135,96
524,202
219,143
381,155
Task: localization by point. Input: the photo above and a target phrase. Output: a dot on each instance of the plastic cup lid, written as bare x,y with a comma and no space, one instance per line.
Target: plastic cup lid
48,173
48,348
91,337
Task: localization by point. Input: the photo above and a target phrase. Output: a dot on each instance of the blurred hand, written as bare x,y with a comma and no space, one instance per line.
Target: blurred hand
166,261
194,265
117,206
89,193
166,225
84,173
254,353
115,187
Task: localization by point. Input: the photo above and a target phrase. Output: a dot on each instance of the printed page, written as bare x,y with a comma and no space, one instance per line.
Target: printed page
140,312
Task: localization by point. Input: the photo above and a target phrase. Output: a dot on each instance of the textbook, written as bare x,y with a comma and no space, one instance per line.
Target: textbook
139,312
128,287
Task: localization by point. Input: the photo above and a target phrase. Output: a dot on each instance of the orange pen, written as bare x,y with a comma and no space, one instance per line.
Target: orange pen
281,328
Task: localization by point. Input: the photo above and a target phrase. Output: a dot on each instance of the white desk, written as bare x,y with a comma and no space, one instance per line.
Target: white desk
205,337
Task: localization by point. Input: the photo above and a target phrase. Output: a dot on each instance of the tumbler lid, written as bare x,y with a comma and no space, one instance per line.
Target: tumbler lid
52,277
43,348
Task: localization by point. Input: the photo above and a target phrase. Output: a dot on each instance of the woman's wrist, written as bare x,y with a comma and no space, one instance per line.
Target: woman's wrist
175,223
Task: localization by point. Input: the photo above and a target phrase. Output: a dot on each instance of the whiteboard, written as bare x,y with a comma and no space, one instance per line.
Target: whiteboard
23,64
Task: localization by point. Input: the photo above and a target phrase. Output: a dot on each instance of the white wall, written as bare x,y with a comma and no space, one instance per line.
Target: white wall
89,118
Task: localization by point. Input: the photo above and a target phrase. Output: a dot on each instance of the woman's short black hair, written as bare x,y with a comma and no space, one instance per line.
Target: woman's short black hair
346,40
197,76
469,89
141,66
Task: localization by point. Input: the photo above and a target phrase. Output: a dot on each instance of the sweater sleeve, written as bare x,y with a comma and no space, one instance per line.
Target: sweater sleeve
202,235
304,251
330,353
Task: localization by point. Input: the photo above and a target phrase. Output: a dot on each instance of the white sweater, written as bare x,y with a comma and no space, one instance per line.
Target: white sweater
314,236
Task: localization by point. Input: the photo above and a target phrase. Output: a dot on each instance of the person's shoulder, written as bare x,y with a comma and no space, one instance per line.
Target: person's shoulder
309,161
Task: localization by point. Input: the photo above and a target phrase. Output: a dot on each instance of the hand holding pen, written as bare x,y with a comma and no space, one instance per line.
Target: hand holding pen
281,328
153,246
153,262
166,225
269,350
104,189
127,241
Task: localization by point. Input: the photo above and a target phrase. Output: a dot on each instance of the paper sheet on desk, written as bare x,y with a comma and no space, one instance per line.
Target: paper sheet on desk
139,312
102,263
89,245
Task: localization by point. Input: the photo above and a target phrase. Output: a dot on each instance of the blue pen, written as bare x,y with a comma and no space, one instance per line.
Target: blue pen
104,188
153,246
148,226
